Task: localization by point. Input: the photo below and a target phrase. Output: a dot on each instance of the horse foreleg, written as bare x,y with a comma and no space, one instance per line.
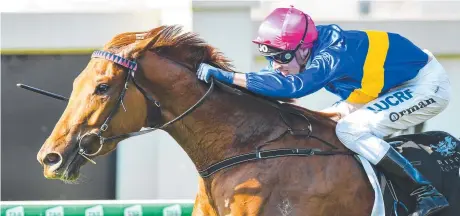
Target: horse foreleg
203,206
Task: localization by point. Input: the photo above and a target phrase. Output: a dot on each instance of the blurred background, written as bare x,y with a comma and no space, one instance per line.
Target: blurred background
46,44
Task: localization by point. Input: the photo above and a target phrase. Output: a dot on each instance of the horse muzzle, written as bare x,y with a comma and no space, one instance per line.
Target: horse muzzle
56,167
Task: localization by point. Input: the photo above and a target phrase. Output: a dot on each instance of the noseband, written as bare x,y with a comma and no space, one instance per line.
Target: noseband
132,67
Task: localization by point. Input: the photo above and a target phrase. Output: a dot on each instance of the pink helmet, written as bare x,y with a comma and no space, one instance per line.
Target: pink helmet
283,29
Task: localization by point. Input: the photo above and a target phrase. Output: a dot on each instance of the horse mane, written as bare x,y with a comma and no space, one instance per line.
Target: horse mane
165,40
168,39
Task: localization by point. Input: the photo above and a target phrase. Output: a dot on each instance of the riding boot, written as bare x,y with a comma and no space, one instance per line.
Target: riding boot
429,200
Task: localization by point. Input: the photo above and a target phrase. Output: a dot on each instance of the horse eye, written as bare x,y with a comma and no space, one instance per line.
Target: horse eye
102,89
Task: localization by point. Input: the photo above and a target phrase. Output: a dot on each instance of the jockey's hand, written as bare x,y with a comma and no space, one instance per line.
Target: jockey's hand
205,71
335,116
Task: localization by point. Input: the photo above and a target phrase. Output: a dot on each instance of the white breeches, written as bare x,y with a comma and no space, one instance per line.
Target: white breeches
362,127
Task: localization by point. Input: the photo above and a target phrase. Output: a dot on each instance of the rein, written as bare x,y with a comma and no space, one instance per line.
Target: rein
132,67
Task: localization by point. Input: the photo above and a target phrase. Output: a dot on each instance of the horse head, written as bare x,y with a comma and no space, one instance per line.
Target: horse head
96,91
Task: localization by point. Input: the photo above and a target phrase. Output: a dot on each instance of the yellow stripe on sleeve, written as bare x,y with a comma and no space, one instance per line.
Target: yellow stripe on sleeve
373,71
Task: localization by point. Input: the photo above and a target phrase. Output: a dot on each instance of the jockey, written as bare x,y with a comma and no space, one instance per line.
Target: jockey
385,82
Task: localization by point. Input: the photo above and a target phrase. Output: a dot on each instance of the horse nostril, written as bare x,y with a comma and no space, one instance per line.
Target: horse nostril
52,159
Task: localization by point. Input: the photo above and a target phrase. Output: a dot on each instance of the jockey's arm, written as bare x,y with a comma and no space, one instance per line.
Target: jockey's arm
274,84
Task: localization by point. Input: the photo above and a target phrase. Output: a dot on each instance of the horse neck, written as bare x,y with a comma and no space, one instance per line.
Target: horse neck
223,126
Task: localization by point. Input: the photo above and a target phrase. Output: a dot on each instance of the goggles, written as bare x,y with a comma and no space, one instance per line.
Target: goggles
282,58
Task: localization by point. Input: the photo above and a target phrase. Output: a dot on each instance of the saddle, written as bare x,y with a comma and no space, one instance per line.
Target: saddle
436,154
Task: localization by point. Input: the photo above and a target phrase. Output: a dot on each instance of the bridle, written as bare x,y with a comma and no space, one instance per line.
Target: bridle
132,67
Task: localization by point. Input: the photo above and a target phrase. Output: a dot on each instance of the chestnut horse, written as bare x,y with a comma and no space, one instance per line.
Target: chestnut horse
255,156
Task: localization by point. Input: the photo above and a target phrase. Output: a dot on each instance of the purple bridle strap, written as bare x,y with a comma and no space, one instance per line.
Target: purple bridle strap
115,58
